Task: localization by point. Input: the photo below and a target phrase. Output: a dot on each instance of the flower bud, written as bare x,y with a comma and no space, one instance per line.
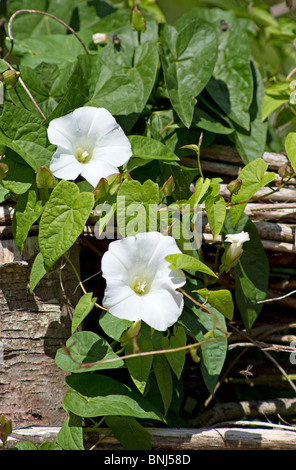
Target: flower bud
101,190
3,171
285,170
100,38
109,185
190,147
114,182
234,186
137,20
168,187
44,178
5,428
234,249
10,78
131,333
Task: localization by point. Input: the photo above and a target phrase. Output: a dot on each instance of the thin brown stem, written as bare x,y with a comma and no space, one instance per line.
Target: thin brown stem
270,357
80,282
220,381
44,14
26,90
142,353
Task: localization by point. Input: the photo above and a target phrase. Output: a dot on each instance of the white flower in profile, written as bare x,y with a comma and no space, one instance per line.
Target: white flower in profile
139,282
235,248
89,143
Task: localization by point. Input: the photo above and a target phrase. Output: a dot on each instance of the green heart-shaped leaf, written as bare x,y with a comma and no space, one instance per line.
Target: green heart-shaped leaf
62,221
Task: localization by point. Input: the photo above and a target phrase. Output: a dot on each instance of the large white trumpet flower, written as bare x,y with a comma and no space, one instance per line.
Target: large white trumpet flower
139,282
89,143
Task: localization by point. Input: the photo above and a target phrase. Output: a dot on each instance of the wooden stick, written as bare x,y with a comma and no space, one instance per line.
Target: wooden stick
266,211
229,154
218,438
252,409
231,171
267,230
242,436
284,195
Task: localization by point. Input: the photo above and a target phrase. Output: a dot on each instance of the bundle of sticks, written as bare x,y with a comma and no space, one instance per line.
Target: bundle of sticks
274,215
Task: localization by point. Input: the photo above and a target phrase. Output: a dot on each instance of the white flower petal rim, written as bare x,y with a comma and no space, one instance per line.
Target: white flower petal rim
89,143
237,238
139,282
235,248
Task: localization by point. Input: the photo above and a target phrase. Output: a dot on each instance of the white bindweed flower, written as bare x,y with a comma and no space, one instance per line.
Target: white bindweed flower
235,247
89,143
139,282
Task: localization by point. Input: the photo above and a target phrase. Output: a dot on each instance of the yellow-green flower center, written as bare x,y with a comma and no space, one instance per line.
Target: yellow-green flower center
140,286
82,155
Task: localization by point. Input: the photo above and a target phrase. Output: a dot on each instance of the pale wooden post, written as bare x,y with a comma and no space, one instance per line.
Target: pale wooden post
33,327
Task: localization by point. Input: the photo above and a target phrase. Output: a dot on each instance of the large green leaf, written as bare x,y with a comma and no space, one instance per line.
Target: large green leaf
188,59
231,86
201,187
151,149
113,326
82,309
139,367
290,145
205,121
220,299
86,347
183,177
134,204
98,395
31,24
20,176
22,132
166,126
63,219
38,270
216,212
176,340
213,353
254,177
164,380
271,102
184,261
46,82
91,15
52,49
251,144
70,436
28,209
138,65
251,275
120,81
197,324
